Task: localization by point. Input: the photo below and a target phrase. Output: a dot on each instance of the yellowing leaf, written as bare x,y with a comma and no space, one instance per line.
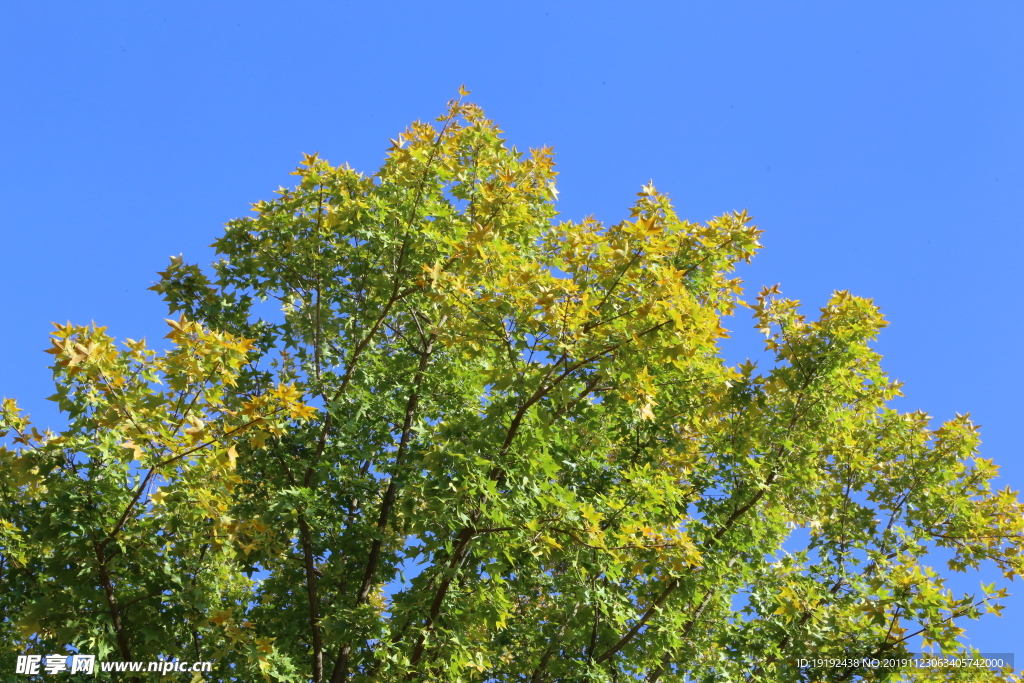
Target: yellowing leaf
221,617
137,451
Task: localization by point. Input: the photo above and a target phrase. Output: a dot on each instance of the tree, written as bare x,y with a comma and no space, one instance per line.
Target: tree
482,445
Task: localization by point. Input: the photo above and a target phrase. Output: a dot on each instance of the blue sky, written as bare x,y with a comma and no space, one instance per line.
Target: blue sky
879,145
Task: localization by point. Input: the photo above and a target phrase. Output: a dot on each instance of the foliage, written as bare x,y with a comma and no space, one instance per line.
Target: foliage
530,418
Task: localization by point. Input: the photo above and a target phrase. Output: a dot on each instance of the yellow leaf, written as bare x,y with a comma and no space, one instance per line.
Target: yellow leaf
265,644
134,447
302,412
551,542
646,381
286,392
221,616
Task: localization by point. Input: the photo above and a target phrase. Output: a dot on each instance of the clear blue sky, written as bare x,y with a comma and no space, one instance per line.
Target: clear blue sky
879,144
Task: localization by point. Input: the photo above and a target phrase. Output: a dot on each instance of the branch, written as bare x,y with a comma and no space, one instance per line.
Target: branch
466,534
716,537
311,592
340,672
115,613
631,633
538,671
145,482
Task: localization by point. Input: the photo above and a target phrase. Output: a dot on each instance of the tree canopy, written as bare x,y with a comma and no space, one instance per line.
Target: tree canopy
480,444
